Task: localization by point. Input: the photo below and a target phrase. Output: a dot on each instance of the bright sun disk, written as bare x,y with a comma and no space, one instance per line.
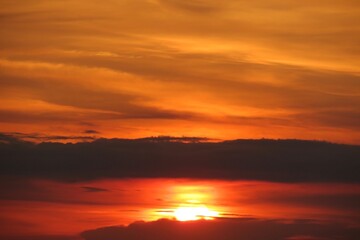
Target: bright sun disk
194,213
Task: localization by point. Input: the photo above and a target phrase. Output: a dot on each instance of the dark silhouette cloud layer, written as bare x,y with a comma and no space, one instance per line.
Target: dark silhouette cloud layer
234,229
166,157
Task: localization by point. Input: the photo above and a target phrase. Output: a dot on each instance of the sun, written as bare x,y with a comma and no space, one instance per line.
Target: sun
191,213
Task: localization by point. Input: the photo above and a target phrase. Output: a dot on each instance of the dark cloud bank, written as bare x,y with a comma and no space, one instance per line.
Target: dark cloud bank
270,160
234,229
220,229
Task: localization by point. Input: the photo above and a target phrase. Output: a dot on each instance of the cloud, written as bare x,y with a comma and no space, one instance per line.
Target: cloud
9,138
233,229
94,189
35,137
21,190
197,6
268,160
232,71
44,237
91,131
344,201
269,68
79,96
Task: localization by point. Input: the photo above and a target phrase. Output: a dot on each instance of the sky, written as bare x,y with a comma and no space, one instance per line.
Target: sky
171,119
222,70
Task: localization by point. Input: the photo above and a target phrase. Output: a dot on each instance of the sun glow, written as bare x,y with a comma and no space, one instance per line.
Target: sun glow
191,203
194,213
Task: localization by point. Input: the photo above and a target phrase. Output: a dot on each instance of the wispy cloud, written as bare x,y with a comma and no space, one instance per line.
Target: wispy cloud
290,69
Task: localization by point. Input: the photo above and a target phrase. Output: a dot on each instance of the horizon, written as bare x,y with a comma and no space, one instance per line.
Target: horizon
73,139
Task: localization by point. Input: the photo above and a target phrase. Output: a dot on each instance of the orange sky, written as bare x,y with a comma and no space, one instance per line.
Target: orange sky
224,70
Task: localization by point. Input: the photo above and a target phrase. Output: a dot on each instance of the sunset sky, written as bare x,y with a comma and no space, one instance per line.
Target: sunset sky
87,87
218,69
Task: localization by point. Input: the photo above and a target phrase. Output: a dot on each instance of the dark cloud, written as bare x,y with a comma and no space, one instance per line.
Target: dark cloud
94,189
44,237
9,139
15,189
332,201
160,139
225,229
43,138
269,160
90,131
51,117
